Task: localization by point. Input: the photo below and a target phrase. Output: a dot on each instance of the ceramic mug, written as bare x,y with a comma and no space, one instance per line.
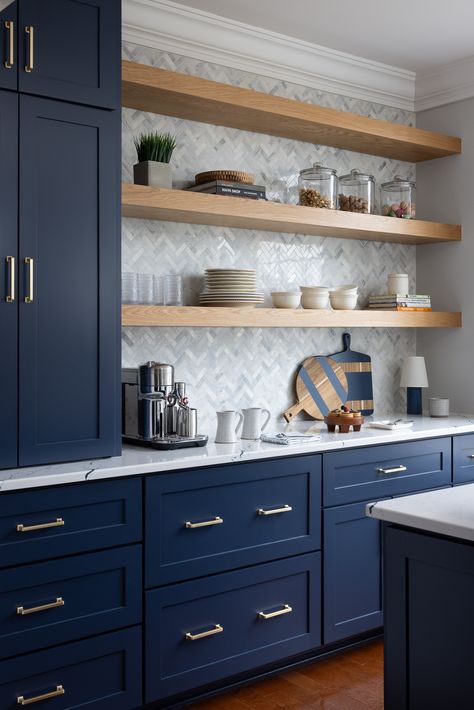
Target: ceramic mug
252,422
226,427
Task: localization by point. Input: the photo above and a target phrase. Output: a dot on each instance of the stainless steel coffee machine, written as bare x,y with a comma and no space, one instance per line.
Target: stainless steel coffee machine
155,409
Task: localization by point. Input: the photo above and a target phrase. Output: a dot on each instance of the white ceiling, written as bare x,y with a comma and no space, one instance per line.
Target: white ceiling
417,35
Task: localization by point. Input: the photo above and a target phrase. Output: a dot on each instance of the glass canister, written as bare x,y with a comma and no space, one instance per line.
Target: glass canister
398,198
317,187
357,192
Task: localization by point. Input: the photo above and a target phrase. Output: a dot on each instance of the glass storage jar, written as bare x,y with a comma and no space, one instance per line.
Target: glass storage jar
357,192
317,187
398,198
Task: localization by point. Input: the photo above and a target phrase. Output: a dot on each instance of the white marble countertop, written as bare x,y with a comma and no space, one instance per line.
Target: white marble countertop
447,512
138,460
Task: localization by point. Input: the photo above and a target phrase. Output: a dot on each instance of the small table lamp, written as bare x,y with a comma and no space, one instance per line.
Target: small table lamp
414,377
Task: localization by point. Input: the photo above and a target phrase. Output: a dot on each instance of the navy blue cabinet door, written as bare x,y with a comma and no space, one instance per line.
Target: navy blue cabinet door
352,572
70,50
8,264
8,46
69,340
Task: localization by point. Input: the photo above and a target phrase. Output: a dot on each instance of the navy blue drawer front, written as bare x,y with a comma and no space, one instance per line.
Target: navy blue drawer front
375,472
63,600
463,458
352,572
224,615
74,518
102,673
287,493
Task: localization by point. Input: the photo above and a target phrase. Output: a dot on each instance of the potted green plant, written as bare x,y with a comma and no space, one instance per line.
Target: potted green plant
154,151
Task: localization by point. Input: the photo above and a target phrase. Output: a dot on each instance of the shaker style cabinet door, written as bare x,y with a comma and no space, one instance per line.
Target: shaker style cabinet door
69,340
70,50
8,273
8,45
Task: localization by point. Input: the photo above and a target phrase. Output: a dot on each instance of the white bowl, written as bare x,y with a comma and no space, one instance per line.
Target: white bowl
343,301
314,300
347,288
315,289
286,299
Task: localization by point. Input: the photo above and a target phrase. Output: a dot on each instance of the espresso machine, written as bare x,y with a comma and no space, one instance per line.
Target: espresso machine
155,409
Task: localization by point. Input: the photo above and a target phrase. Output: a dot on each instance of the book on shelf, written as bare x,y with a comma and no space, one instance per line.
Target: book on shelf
399,297
235,189
396,301
400,308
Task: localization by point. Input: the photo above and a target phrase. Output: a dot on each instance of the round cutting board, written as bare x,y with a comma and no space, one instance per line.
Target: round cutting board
321,386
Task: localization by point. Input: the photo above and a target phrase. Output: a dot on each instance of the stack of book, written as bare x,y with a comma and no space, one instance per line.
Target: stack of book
236,189
395,302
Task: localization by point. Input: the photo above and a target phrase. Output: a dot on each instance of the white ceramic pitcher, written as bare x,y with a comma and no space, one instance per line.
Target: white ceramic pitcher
252,426
226,426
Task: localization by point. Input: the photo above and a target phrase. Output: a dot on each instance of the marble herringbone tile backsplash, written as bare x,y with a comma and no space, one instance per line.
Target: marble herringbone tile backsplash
234,368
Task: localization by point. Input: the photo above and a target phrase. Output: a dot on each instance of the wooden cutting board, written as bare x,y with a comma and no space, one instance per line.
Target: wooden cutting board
358,370
321,386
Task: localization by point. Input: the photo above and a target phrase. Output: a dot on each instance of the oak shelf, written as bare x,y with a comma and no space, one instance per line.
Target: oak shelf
200,316
222,211
173,94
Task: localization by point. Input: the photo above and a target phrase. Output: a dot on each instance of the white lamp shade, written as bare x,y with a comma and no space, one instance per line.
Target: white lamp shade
414,372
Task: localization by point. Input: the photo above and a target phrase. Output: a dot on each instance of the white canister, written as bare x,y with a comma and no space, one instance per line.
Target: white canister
439,406
226,426
397,283
253,427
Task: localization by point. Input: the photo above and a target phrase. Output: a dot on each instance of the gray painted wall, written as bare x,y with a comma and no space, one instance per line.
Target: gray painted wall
446,193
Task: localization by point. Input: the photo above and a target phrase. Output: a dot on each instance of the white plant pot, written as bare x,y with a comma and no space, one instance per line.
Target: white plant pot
152,174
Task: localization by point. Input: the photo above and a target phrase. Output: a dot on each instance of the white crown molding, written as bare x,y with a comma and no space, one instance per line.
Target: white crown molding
169,26
448,83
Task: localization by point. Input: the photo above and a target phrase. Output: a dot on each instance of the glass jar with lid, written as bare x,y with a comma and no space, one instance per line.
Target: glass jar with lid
357,192
317,187
398,198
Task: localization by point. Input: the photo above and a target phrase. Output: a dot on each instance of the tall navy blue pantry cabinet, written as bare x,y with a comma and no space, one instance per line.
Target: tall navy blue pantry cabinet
60,294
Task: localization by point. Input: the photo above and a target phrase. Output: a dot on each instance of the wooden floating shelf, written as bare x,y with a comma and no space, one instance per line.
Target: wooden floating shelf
202,317
173,94
222,211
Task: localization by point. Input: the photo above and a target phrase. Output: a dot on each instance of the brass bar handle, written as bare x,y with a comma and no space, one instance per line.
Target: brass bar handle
274,511
42,526
10,25
217,629
204,523
33,609
471,456
31,279
11,289
21,700
287,609
396,469
30,31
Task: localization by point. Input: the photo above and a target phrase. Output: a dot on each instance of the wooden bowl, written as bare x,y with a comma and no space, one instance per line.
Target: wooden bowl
228,175
343,423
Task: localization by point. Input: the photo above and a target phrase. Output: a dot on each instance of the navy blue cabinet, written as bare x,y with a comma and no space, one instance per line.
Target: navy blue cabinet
8,47
211,520
70,50
202,631
8,278
463,458
352,572
69,289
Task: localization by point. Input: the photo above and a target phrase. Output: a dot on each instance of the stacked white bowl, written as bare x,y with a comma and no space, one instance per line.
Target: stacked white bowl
314,296
343,298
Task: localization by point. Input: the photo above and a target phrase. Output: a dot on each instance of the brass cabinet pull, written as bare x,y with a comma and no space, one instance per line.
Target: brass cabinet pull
10,25
274,511
31,279
204,523
33,609
11,289
217,629
396,469
21,700
30,31
41,526
471,456
287,609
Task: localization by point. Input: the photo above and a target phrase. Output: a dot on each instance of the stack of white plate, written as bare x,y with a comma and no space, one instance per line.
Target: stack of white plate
231,288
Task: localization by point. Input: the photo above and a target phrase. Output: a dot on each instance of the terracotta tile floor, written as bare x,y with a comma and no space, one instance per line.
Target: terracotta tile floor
350,681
